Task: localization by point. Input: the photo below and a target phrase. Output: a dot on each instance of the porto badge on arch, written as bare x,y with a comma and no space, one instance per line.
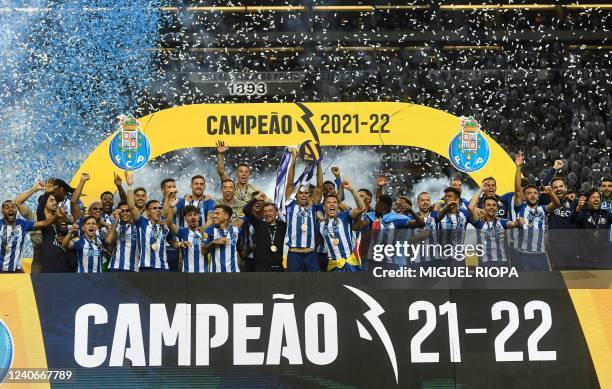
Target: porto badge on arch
129,149
469,150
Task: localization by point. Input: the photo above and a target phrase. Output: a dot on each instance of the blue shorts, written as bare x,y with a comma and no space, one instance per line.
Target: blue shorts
300,262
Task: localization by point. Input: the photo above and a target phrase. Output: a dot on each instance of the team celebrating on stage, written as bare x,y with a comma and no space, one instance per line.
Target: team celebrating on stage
303,227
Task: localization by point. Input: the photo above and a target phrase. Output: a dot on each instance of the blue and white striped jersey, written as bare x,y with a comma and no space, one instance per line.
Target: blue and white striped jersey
205,207
531,237
193,259
12,240
337,235
492,235
301,222
89,255
126,253
152,248
223,259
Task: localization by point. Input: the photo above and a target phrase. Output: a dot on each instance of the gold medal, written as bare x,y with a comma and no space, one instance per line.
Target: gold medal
154,246
304,227
335,241
273,248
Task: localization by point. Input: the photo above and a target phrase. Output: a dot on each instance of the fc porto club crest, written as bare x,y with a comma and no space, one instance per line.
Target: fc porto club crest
6,351
129,149
469,150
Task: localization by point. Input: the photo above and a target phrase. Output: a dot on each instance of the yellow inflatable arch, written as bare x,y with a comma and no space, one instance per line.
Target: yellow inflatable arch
282,124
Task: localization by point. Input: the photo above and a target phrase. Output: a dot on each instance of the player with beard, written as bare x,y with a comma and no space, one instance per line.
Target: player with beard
190,238
529,241
504,202
49,255
221,242
108,203
228,191
593,217
491,230
151,232
454,183
336,231
123,237
88,247
12,236
198,199
243,189
140,199
562,248
268,232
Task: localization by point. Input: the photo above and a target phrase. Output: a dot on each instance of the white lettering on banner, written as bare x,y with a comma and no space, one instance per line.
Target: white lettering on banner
243,333
204,342
128,328
162,331
330,332
285,341
81,335
284,328
284,338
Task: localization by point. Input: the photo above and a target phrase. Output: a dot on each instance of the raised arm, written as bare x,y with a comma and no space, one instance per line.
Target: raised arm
111,236
338,181
318,191
221,149
519,160
23,197
475,212
381,181
248,209
49,220
129,179
67,242
120,190
74,201
291,173
169,209
360,209
554,200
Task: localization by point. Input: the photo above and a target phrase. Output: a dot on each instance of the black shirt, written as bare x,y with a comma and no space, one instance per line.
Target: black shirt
594,219
265,258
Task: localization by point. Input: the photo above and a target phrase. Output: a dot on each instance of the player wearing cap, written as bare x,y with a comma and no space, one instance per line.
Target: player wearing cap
123,236
221,242
336,231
